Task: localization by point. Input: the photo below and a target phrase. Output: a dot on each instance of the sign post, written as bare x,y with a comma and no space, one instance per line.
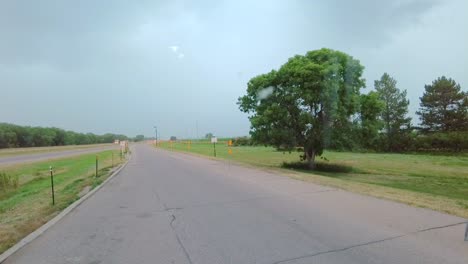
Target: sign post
214,140
230,145
52,184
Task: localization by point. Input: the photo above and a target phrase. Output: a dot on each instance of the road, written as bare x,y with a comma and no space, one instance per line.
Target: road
27,158
167,207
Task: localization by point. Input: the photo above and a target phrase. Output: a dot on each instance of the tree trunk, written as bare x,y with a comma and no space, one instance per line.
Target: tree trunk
310,156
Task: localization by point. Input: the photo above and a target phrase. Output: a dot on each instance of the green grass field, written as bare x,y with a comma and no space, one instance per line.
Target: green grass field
25,208
432,181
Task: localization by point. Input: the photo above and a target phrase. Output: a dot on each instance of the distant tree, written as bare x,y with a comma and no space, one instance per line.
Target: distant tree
302,102
59,139
444,106
8,138
371,124
139,138
173,138
24,136
70,138
394,113
209,135
107,138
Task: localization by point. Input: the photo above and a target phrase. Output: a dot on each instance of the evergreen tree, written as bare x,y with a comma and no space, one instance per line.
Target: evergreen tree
394,112
444,107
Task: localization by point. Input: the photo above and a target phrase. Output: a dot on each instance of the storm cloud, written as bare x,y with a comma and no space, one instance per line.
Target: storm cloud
125,66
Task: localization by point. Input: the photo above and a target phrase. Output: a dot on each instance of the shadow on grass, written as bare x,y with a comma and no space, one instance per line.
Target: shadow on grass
319,167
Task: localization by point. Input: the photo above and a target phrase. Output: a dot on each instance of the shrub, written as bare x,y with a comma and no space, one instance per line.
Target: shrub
242,141
319,166
449,141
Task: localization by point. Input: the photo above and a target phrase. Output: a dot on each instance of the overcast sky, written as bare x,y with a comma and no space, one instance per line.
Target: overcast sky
126,66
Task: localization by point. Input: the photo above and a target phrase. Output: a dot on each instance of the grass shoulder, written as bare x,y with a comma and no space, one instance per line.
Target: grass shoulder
26,204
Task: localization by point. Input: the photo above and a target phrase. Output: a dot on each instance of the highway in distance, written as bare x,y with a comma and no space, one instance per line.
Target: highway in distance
42,156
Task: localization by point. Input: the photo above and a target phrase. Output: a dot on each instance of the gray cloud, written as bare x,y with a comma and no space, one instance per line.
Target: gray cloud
106,65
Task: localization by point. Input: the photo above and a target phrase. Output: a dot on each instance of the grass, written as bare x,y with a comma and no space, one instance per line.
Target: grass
28,205
431,181
8,152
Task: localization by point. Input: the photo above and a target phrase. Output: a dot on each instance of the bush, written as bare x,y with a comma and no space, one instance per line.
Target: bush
449,141
8,181
242,141
319,166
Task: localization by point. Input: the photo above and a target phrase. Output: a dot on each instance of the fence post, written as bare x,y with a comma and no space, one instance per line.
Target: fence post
52,184
97,165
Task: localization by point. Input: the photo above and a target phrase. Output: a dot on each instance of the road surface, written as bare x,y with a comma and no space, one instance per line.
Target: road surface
167,207
27,158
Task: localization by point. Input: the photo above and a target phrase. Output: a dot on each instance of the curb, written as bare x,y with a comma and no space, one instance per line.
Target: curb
29,238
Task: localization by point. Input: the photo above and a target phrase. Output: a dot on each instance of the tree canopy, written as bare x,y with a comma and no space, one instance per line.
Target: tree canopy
444,107
304,101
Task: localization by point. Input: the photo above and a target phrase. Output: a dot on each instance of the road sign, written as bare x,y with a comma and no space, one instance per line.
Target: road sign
214,140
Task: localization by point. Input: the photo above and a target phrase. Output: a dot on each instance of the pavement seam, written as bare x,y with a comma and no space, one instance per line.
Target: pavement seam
38,232
367,243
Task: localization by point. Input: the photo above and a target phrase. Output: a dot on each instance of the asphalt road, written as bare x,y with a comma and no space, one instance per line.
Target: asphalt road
167,207
27,158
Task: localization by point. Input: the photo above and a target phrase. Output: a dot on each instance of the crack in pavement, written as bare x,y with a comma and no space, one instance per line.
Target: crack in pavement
367,243
156,194
171,224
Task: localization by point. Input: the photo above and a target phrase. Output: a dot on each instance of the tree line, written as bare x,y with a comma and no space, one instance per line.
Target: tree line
13,136
314,101
384,124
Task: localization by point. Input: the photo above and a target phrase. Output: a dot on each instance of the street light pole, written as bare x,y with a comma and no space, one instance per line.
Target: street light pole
156,133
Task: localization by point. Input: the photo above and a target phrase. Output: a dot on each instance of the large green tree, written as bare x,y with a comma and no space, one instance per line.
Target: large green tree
444,106
396,123
301,103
